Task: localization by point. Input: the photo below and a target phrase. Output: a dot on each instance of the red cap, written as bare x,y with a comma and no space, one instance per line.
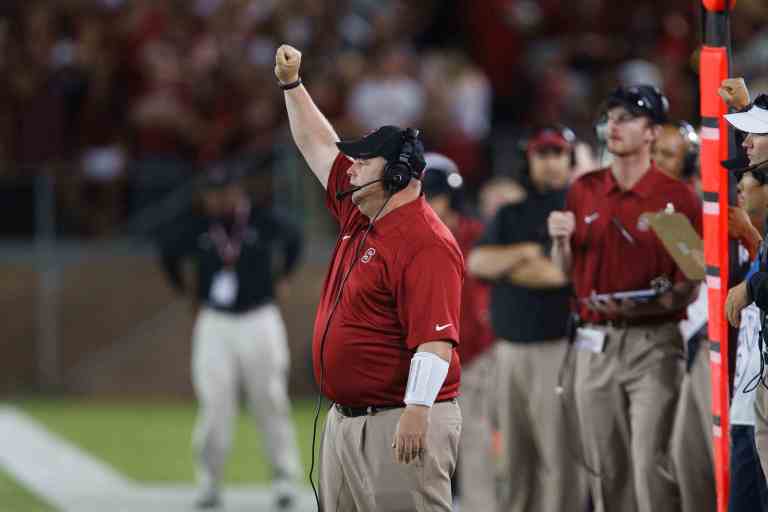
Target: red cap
549,138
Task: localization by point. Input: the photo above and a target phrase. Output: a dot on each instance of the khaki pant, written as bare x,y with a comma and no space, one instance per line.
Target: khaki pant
477,468
541,472
358,472
626,397
761,425
691,448
248,350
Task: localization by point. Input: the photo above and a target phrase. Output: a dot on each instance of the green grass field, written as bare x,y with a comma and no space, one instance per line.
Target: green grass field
15,497
150,441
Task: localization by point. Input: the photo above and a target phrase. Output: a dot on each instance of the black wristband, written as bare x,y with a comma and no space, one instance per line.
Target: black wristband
292,85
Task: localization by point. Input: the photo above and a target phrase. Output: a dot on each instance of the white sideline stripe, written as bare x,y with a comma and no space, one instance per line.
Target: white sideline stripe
73,481
48,465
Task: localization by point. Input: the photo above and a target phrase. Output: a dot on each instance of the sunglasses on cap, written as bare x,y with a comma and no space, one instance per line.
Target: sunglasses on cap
639,100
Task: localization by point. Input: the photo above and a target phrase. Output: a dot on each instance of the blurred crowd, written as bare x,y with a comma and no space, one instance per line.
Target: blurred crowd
124,101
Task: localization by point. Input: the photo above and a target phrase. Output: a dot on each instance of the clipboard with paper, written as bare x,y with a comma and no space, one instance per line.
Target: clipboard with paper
681,241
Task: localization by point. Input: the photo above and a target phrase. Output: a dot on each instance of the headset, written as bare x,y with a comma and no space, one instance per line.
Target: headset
693,148
398,173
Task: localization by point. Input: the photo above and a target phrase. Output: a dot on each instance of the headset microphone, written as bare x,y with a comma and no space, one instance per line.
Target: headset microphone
345,193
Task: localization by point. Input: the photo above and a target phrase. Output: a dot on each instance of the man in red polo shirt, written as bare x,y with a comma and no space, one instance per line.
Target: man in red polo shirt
443,187
630,353
388,318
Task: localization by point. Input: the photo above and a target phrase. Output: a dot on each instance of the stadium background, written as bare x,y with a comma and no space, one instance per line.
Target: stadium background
111,110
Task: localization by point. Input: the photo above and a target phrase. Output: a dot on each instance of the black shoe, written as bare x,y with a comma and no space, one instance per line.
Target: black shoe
208,501
284,502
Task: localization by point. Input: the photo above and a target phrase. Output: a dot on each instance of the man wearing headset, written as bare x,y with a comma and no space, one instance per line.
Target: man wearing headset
629,352
529,311
753,122
676,151
388,318
443,187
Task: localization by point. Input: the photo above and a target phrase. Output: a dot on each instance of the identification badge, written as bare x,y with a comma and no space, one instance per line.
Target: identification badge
224,288
590,339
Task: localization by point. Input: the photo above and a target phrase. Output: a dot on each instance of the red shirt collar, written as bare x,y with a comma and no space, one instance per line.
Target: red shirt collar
644,187
399,216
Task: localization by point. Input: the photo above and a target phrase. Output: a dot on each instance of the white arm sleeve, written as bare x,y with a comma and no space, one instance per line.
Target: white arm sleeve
428,372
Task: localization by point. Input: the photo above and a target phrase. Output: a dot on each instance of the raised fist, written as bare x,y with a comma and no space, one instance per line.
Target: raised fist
734,93
287,63
561,225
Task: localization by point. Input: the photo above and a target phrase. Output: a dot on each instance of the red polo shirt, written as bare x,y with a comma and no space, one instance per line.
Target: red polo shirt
613,248
476,332
403,290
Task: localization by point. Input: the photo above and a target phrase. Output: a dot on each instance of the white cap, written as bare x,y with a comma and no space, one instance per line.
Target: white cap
754,120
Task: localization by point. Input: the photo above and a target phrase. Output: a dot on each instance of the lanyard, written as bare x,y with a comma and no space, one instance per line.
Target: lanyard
229,247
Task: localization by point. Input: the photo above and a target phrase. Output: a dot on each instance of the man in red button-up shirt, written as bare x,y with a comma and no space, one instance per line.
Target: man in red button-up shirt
388,319
443,187
630,354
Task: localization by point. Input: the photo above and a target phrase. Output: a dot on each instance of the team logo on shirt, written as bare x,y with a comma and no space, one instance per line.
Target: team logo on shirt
368,255
642,223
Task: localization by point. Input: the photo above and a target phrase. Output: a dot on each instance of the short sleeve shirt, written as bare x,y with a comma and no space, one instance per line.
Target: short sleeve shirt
513,306
613,246
476,333
384,295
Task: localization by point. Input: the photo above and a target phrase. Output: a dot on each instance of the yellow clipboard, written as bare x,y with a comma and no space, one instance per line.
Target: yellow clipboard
681,241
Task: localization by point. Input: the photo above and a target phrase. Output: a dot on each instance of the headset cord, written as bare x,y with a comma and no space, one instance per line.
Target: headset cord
336,301
758,379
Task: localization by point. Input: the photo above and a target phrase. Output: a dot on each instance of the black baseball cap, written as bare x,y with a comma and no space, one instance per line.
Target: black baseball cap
736,164
384,142
441,176
640,100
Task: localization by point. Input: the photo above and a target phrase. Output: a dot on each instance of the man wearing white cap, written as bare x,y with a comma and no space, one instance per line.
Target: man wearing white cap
754,122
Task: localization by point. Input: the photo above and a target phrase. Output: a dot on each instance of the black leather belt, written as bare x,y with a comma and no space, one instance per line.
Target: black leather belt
621,323
354,412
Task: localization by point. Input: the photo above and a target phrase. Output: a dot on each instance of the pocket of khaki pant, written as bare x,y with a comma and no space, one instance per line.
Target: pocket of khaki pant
666,338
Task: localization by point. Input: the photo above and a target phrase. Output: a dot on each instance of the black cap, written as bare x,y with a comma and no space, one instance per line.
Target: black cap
736,164
640,100
441,177
384,142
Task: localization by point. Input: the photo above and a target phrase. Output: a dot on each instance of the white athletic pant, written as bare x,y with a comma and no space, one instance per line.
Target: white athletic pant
248,350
